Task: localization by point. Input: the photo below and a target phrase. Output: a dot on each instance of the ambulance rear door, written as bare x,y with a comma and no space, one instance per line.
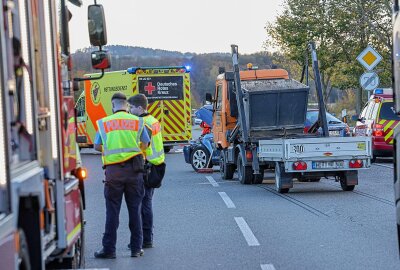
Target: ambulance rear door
169,102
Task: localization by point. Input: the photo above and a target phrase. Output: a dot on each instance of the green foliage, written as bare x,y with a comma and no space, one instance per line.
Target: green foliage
341,30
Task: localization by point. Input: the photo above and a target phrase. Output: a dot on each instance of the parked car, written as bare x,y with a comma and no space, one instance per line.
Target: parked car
378,120
198,153
336,127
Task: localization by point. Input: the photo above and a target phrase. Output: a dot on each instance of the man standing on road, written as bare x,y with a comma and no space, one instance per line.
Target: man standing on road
121,139
155,156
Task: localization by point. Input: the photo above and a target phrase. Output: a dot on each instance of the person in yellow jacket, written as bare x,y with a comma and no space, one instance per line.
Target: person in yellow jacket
121,138
154,155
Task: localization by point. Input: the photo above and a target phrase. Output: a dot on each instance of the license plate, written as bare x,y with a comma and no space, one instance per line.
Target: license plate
328,164
334,133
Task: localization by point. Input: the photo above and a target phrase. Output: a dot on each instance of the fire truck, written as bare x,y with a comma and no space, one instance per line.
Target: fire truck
41,178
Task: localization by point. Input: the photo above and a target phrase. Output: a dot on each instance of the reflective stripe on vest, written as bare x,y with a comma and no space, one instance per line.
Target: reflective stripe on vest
155,153
120,134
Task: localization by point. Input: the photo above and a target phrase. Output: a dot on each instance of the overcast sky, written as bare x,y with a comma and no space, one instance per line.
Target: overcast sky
200,26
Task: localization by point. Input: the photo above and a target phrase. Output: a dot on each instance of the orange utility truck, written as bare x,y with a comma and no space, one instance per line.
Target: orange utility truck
258,124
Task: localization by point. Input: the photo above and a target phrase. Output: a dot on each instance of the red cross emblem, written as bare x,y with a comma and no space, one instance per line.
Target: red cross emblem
150,88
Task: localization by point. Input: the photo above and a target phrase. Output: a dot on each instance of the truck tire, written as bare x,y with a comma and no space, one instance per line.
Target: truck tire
23,254
245,173
282,179
343,181
227,170
167,149
199,158
258,178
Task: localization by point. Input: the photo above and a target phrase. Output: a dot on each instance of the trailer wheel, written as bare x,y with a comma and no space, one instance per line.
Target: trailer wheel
245,173
344,178
258,178
200,157
23,254
227,170
283,180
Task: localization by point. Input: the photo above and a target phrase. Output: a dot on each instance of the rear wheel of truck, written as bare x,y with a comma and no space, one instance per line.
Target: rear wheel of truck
227,170
200,157
167,149
343,181
245,173
258,178
282,177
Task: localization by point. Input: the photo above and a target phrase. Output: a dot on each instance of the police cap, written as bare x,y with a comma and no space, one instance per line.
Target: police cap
118,95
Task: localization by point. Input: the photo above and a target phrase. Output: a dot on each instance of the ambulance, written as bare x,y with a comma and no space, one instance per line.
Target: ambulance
168,92
378,119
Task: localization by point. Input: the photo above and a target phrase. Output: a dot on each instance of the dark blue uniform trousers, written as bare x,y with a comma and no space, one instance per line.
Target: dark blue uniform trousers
124,179
147,215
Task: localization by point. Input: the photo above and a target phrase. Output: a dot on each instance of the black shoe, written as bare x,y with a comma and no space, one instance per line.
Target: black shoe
103,255
148,245
137,254
145,245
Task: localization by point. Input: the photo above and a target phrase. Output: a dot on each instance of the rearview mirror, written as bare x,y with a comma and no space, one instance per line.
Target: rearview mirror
97,25
209,97
101,60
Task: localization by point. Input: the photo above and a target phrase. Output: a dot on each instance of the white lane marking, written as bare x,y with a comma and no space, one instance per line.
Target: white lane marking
267,267
246,231
212,181
227,200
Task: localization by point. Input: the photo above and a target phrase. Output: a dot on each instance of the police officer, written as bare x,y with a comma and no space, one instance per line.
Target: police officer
154,155
120,138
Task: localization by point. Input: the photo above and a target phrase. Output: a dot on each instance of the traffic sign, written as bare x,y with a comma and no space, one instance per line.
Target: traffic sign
369,58
369,81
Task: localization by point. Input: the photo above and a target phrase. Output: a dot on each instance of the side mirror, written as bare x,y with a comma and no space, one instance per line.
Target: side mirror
101,60
209,97
97,25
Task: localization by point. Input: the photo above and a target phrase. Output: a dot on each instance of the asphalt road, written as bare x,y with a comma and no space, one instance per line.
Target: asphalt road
203,222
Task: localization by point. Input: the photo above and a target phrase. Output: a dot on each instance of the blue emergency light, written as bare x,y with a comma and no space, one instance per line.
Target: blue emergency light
188,68
378,91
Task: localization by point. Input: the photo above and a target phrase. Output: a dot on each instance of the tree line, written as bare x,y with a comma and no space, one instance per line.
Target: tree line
342,29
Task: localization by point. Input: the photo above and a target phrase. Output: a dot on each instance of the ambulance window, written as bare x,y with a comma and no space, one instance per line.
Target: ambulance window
388,112
219,98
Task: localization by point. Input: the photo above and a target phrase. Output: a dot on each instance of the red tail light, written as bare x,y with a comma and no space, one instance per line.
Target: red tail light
249,155
356,163
377,130
299,166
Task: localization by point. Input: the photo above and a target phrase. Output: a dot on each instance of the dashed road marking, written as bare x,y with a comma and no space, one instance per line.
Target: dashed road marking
267,267
227,200
212,181
246,231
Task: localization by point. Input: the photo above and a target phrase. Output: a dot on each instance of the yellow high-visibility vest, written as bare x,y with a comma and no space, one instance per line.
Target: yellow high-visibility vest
120,134
155,152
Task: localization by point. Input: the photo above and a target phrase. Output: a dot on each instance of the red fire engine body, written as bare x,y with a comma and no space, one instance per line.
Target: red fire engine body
41,179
